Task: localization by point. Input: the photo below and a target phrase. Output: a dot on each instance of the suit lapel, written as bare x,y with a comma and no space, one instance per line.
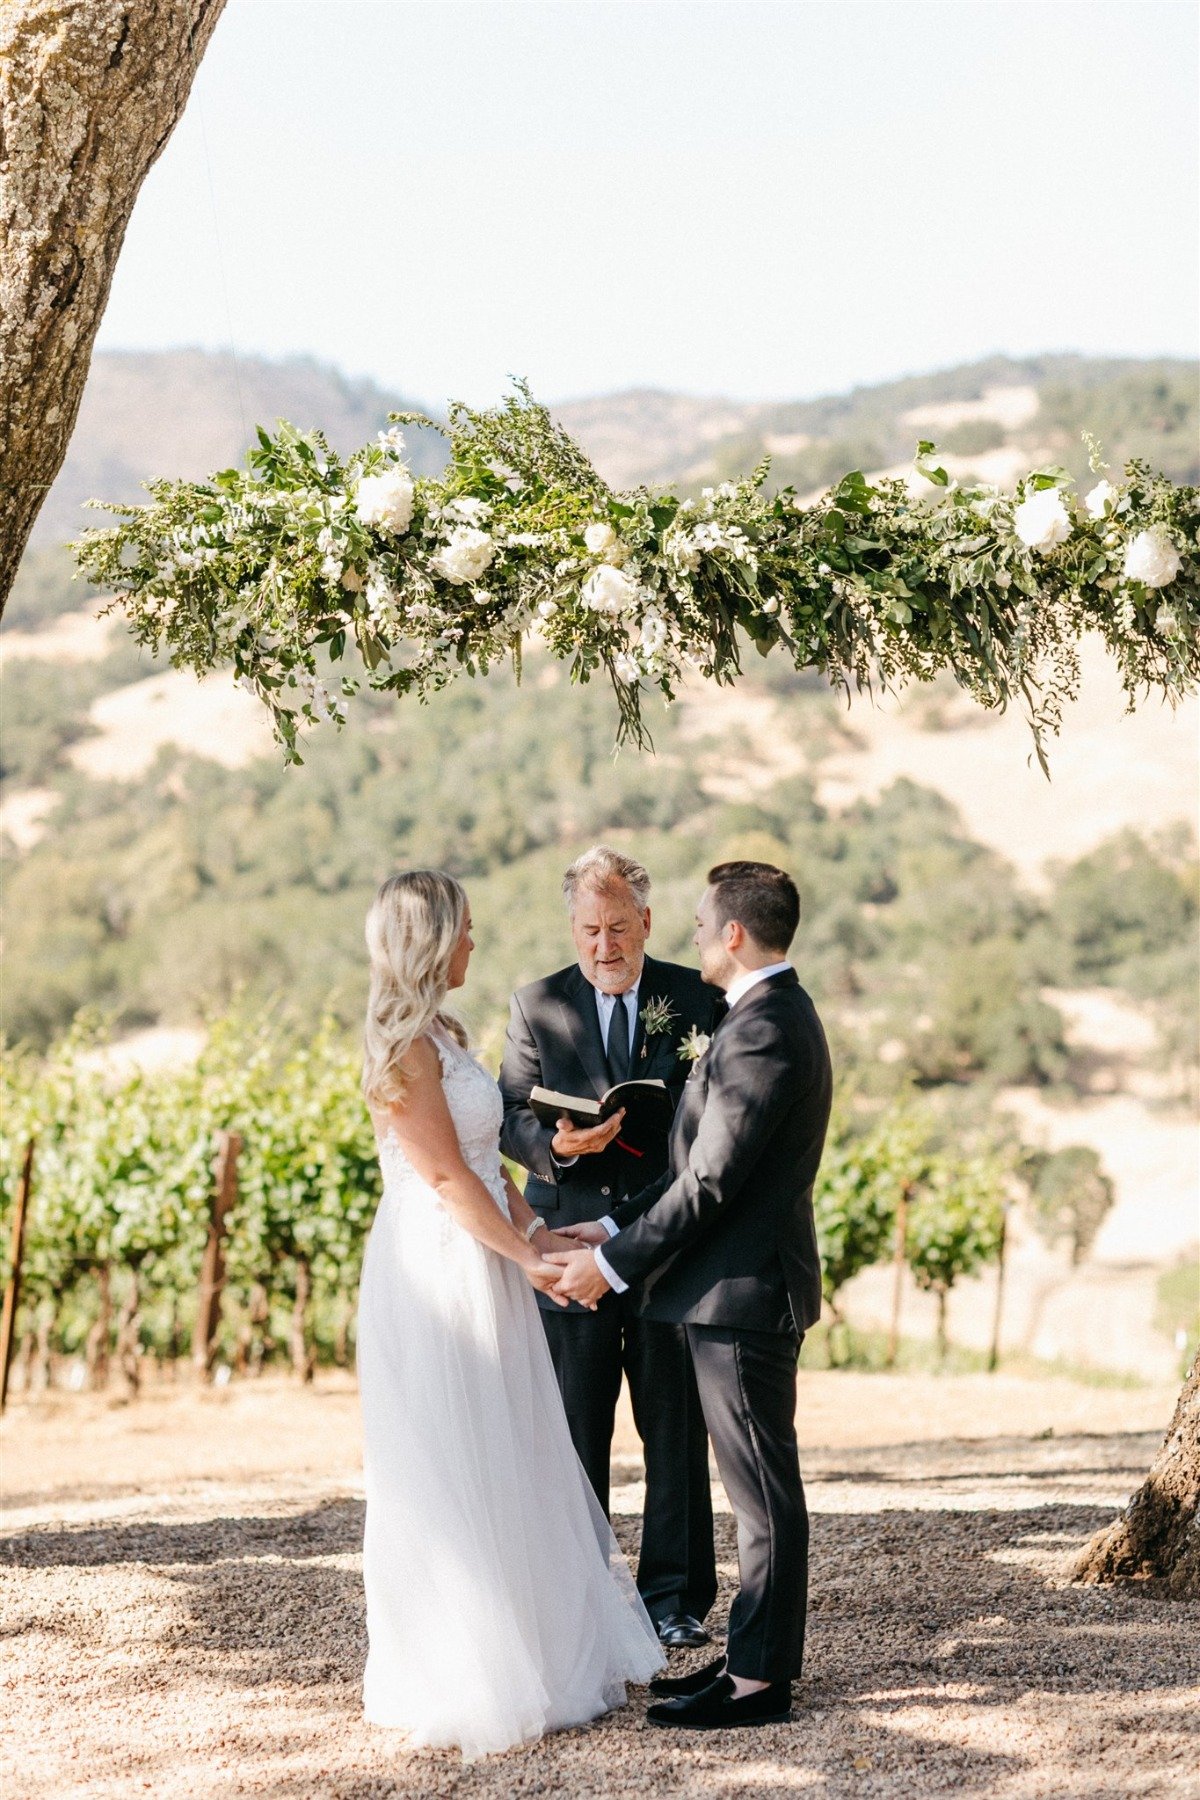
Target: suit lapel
583,1023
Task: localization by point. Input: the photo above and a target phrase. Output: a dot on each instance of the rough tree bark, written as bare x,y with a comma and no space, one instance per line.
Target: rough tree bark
90,91
1157,1537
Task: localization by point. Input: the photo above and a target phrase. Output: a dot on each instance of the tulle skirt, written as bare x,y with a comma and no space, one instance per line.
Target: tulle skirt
498,1604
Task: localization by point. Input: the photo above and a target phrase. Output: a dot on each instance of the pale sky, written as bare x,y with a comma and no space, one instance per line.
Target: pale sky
764,200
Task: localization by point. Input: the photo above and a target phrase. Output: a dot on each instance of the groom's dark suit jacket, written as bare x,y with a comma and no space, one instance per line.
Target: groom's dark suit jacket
554,1041
726,1236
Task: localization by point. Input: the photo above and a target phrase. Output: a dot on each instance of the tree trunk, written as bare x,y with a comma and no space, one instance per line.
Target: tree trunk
129,1358
943,1339
99,1336
898,1267
302,1362
1157,1537
45,1349
90,91
259,1343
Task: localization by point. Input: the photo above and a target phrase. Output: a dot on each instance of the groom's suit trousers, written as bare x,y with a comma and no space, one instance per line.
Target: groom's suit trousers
747,1382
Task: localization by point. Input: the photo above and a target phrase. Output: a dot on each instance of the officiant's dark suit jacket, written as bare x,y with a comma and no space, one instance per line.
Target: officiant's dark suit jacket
726,1236
554,1041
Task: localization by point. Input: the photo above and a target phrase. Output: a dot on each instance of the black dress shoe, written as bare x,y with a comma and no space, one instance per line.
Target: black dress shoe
715,1708
679,1631
675,1686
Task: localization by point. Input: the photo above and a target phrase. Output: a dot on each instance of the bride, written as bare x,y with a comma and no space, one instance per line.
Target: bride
498,1604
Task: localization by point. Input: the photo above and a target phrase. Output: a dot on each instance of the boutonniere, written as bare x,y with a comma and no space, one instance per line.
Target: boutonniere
694,1045
657,1018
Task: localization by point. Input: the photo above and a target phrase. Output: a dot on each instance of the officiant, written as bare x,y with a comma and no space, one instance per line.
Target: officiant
617,1015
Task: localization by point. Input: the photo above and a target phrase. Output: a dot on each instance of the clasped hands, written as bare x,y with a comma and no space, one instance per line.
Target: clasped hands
566,1269
569,1250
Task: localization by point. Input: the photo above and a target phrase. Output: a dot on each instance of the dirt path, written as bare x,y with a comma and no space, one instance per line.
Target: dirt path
184,1613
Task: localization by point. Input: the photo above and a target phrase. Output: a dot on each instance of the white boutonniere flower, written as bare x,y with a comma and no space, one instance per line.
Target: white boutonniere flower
694,1045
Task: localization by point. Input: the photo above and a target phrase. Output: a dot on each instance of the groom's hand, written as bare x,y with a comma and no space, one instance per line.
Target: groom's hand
580,1279
589,1232
574,1140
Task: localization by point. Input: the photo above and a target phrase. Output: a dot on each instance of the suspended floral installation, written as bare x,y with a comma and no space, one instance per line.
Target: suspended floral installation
303,565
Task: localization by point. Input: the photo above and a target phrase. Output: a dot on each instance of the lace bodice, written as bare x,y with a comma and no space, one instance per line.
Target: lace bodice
477,1110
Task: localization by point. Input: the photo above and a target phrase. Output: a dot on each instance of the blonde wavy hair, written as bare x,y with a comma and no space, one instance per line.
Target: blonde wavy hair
414,924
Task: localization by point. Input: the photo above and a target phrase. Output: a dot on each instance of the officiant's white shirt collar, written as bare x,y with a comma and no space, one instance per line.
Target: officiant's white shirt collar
743,984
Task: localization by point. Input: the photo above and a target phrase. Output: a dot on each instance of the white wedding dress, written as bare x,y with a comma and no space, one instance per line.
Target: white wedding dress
498,1604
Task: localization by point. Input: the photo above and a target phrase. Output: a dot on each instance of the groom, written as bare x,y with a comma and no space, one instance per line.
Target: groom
617,1014
725,1243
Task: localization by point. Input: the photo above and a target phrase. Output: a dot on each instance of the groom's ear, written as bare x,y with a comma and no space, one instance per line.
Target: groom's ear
646,921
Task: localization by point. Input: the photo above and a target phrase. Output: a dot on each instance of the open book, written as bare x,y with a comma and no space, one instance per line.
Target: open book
648,1106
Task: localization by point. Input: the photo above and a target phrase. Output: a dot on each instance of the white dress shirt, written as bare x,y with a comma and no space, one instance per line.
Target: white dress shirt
733,993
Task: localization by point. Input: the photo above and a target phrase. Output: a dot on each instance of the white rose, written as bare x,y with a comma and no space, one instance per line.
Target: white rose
1152,559
607,590
547,609
1166,622
1101,497
600,538
770,604
1042,521
386,500
465,556
1003,578
626,667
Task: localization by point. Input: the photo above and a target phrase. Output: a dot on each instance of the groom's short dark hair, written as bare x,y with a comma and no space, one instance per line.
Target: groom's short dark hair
763,899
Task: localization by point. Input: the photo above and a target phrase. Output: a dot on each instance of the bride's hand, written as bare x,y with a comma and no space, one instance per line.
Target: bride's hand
547,1244
545,1277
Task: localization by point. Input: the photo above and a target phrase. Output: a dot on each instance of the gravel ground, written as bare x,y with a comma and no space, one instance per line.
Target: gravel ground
183,1612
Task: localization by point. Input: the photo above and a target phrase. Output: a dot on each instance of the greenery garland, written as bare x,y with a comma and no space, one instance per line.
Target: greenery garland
283,569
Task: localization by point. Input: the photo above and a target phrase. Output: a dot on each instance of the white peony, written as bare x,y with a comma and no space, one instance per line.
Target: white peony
607,590
465,557
600,538
1042,521
470,510
1152,559
386,500
1100,498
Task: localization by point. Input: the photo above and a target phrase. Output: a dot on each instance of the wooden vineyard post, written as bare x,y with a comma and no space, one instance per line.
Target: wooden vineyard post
994,1352
212,1270
893,1343
12,1293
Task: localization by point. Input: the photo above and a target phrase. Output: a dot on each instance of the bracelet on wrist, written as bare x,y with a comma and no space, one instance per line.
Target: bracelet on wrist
534,1226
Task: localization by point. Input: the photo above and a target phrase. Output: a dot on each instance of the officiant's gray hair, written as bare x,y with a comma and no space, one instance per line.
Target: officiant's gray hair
599,870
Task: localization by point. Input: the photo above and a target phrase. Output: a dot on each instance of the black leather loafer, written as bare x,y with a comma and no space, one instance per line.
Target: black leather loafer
674,1687
715,1707
679,1631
